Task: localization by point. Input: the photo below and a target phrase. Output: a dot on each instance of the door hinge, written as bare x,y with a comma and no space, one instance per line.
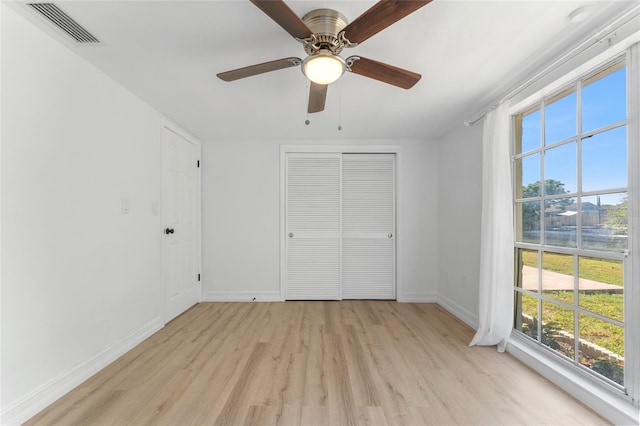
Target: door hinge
198,277
198,163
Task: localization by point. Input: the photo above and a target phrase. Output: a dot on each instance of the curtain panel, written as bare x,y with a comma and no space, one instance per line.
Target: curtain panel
495,301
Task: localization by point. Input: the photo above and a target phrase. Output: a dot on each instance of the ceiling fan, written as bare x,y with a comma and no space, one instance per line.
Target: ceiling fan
324,33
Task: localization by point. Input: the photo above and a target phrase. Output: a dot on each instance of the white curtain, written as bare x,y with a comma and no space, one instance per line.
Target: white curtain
495,310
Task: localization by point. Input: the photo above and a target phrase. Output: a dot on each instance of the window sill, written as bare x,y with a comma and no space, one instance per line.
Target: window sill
610,403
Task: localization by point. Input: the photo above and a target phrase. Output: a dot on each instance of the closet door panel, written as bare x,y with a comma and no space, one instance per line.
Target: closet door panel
313,200
368,270
368,225
313,271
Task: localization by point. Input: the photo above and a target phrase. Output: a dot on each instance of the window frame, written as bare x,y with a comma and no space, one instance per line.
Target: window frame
631,60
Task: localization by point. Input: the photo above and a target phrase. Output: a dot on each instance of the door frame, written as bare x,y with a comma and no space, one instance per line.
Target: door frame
344,149
172,127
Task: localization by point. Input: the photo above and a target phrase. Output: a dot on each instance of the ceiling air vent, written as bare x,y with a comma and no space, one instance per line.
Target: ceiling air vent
63,21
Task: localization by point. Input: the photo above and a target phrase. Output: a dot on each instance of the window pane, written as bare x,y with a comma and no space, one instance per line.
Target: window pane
560,169
557,276
528,222
604,99
605,222
557,328
560,117
531,131
574,303
527,272
604,160
600,284
526,314
602,347
560,217
528,172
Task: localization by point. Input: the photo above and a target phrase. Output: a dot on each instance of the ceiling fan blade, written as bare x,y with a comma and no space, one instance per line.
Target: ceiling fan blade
317,96
259,69
380,16
284,16
383,72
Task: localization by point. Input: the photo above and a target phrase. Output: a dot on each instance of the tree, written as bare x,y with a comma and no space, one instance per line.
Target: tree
551,187
617,217
531,211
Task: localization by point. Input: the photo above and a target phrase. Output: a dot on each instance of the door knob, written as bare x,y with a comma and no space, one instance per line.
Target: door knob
390,235
290,234
169,231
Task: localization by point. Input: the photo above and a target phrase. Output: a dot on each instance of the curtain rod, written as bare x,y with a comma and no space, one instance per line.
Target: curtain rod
604,34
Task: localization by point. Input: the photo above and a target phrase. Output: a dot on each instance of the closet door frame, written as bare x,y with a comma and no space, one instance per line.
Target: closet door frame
344,149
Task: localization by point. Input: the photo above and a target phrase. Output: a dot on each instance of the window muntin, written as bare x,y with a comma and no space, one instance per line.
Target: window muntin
572,222
527,269
528,222
604,160
604,98
527,320
560,222
557,276
609,298
604,222
560,165
601,347
557,327
530,172
560,117
531,130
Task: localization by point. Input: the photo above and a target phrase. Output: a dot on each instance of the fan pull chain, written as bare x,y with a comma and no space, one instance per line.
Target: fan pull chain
339,105
307,121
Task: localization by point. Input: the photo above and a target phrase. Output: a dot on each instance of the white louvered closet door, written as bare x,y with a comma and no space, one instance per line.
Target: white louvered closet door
368,226
313,226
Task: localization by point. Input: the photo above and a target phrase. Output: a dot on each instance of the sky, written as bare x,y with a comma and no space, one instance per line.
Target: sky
604,162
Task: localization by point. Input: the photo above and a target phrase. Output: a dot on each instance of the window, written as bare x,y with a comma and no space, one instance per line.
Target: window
570,203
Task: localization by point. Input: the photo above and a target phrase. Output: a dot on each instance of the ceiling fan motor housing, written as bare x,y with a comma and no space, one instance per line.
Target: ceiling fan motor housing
325,24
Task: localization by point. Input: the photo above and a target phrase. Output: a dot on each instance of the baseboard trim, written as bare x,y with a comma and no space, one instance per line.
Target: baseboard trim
418,298
609,403
459,312
37,400
274,296
242,296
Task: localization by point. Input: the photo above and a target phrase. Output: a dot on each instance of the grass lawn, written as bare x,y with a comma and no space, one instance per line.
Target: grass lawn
601,270
609,305
601,333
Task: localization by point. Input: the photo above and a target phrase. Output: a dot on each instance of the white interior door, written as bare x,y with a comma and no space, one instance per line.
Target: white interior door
312,223
368,226
181,223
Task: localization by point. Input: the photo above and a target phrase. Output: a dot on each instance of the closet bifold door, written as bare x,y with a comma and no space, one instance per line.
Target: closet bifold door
312,225
368,226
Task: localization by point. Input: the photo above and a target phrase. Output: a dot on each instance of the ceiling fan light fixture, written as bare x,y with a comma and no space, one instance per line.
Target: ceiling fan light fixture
323,67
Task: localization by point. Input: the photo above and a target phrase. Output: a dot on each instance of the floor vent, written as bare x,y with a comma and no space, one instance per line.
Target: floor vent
63,21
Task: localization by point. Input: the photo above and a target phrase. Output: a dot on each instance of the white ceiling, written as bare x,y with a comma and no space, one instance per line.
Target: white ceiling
468,52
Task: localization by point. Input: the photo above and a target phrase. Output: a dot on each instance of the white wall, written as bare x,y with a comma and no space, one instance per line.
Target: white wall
241,218
459,212
80,280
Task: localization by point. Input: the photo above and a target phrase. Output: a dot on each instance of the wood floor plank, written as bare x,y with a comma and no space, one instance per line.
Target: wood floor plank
315,393
341,400
315,363
360,370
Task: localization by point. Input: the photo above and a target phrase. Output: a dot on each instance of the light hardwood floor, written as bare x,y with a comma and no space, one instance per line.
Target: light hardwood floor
315,363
